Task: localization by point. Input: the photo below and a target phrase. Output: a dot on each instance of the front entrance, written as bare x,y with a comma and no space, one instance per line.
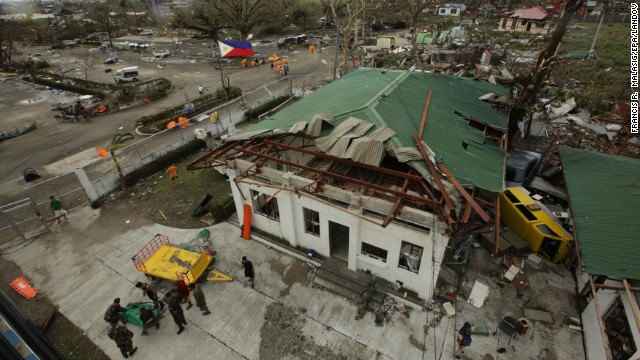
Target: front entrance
339,241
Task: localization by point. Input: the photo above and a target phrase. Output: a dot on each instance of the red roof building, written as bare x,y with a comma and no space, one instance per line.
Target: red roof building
535,20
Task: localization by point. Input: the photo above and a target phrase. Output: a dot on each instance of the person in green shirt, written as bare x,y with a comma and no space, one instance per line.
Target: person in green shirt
58,208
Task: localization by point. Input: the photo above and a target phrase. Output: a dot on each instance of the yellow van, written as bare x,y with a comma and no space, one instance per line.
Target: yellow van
534,223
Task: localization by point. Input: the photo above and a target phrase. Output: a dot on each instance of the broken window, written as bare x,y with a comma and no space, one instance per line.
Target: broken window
510,195
374,252
454,11
540,24
524,22
616,323
311,221
410,256
263,207
528,214
443,11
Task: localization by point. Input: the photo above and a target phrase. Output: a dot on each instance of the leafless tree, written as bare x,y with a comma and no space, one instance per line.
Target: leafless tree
89,61
345,25
100,13
546,60
10,33
416,8
244,15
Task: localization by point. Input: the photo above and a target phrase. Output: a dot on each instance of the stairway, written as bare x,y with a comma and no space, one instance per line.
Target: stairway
334,276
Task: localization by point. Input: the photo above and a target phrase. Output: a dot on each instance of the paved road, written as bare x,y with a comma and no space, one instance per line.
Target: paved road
53,141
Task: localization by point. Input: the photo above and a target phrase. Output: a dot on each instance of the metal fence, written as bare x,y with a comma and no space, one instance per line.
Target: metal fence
610,18
25,219
21,220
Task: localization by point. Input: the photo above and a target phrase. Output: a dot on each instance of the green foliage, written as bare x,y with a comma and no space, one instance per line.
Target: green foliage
271,29
159,163
78,89
119,139
254,113
201,104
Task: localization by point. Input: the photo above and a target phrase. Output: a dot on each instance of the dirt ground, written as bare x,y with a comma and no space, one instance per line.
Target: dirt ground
162,201
68,339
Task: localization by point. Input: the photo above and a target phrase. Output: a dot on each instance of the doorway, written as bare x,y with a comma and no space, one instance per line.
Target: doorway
339,241
528,26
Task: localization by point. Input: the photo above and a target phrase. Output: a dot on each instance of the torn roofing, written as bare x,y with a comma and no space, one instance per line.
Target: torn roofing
395,99
605,202
534,13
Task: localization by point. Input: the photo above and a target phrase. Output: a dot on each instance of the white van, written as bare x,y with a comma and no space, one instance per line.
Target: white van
127,74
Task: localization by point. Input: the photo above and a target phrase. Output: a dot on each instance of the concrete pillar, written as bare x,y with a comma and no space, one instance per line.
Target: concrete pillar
354,241
237,196
87,185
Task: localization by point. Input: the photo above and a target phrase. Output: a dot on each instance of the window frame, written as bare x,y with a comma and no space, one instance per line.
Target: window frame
313,222
371,252
259,205
412,248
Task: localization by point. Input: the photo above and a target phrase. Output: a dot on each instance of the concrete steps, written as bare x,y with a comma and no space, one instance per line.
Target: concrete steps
334,276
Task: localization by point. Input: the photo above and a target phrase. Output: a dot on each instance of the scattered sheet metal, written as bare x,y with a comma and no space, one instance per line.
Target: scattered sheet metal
408,154
298,127
382,133
248,135
315,125
479,294
365,150
487,97
340,147
362,128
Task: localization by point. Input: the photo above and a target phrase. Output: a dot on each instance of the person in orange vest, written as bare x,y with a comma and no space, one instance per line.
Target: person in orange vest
312,48
172,171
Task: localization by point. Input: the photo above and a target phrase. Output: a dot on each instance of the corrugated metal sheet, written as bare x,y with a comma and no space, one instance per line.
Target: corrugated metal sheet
382,133
315,126
325,143
362,128
248,135
341,145
366,151
407,154
604,192
357,94
298,127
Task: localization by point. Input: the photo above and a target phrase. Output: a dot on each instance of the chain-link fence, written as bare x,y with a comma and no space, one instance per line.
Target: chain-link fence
21,220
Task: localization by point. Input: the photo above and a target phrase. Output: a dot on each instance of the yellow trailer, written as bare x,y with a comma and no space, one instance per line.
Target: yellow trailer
532,222
159,259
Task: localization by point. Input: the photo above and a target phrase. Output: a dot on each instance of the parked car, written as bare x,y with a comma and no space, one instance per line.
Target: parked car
147,33
522,167
291,40
111,61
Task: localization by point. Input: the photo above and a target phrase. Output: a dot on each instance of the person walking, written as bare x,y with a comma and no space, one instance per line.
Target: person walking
151,293
464,338
112,315
201,90
57,206
175,309
201,302
148,319
249,272
172,171
122,336
183,292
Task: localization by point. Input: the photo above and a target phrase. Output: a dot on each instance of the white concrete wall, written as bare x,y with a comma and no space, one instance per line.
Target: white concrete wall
523,27
291,227
593,337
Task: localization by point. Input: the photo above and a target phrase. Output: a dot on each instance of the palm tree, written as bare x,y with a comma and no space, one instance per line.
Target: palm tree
116,143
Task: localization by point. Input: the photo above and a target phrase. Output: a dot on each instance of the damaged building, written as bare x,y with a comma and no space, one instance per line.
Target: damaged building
535,20
382,170
604,198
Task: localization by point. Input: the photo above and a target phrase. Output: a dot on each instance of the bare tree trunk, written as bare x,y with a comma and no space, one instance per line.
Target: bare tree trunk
123,181
542,69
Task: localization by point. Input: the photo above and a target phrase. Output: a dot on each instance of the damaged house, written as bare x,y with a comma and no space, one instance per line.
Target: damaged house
381,170
604,207
535,20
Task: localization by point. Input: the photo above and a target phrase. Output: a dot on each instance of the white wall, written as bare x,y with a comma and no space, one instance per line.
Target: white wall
593,337
292,228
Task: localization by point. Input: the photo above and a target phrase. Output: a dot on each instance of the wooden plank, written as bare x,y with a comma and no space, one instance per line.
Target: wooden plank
605,339
485,217
632,302
423,120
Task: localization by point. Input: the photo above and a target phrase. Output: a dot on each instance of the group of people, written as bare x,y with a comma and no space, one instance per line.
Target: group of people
174,299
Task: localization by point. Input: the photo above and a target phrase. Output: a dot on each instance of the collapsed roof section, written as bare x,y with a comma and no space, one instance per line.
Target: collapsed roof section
463,132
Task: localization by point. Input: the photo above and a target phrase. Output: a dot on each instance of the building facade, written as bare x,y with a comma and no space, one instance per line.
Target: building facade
534,20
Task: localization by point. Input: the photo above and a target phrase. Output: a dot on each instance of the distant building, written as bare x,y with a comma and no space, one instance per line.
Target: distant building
486,11
452,9
535,20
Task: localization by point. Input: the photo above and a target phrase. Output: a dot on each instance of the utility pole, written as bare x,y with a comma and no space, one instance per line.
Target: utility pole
335,59
592,51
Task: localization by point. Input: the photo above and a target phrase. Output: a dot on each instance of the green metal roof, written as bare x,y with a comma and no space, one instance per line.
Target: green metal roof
396,98
605,201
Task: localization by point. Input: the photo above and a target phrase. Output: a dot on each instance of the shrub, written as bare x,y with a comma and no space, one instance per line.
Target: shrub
254,113
158,164
70,87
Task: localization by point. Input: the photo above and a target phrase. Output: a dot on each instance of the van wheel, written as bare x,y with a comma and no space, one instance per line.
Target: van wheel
120,82
135,79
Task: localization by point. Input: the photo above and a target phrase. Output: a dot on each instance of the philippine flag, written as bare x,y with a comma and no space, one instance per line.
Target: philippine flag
235,48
